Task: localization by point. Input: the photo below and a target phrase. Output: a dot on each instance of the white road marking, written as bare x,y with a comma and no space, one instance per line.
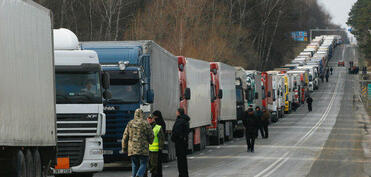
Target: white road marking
280,161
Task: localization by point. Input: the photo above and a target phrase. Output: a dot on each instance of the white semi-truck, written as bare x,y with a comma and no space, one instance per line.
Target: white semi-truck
80,85
228,113
27,92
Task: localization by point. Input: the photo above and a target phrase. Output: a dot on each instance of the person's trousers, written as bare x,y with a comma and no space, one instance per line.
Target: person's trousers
182,165
261,129
138,165
250,141
153,163
159,168
265,127
310,107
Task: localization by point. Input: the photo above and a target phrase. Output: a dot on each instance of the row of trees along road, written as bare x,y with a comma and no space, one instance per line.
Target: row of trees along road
255,34
360,21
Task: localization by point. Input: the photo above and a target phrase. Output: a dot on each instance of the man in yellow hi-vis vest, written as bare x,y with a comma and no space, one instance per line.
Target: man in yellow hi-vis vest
158,144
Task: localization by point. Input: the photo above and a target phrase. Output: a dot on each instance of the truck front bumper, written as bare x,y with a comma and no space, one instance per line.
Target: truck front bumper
93,157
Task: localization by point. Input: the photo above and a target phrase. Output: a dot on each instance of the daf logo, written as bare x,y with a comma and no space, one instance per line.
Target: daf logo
110,108
92,116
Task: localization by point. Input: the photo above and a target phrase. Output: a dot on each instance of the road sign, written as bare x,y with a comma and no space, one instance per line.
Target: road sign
300,36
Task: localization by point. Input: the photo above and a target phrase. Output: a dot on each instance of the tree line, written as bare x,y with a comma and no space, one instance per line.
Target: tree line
360,21
255,34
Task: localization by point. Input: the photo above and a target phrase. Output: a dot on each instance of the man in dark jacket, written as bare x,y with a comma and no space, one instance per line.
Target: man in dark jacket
309,102
180,138
265,118
259,115
251,123
159,121
327,75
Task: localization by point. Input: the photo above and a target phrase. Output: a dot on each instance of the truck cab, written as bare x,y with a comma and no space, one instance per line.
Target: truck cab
80,119
215,131
125,63
253,92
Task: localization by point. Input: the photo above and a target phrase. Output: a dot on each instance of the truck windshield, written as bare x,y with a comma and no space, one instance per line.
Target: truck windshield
79,87
124,91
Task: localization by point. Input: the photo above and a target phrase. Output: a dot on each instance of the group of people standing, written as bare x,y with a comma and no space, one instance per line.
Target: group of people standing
255,121
143,141
327,74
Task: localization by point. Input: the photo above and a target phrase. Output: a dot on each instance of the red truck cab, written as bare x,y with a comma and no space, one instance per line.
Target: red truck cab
184,91
267,89
216,95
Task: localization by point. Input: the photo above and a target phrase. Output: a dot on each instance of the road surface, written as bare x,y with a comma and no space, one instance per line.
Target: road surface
325,142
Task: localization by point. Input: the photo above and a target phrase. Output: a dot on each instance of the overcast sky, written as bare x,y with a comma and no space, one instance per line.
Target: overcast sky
338,9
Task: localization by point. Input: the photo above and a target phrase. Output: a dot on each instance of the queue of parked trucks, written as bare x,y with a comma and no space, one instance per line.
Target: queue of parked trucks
70,101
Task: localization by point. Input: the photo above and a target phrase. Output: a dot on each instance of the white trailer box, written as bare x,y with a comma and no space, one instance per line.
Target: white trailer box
198,80
164,81
227,78
27,92
27,89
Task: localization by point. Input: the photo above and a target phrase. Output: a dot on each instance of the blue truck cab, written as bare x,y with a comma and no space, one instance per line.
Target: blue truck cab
129,74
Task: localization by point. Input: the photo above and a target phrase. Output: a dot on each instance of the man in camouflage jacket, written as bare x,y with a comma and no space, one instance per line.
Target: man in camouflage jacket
135,141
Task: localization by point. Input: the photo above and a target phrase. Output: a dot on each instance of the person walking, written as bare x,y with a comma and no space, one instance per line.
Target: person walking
327,76
265,118
159,121
155,147
309,102
250,123
180,138
136,139
331,70
259,115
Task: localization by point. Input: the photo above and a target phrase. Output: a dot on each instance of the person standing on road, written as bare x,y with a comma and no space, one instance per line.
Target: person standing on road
155,147
309,102
251,131
159,121
180,138
259,116
137,137
327,76
331,69
265,118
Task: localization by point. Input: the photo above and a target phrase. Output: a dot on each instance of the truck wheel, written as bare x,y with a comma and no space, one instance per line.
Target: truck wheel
20,165
29,164
37,164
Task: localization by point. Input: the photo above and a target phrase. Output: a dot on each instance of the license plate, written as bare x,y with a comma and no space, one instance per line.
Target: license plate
107,152
62,171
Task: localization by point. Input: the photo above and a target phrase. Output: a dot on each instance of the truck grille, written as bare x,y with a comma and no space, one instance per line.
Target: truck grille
77,125
73,148
115,127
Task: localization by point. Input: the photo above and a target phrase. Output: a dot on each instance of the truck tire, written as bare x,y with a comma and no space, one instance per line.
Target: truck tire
30,164
20,165
37,163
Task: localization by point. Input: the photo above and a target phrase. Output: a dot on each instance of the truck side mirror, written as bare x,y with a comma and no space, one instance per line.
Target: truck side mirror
150,96
107,95
256,95
269,94
220,94
187,94
105,80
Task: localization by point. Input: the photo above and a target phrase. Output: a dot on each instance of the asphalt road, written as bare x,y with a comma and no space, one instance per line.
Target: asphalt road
326,142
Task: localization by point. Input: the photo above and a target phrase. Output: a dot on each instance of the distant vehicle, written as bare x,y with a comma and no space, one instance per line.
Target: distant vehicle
341,63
